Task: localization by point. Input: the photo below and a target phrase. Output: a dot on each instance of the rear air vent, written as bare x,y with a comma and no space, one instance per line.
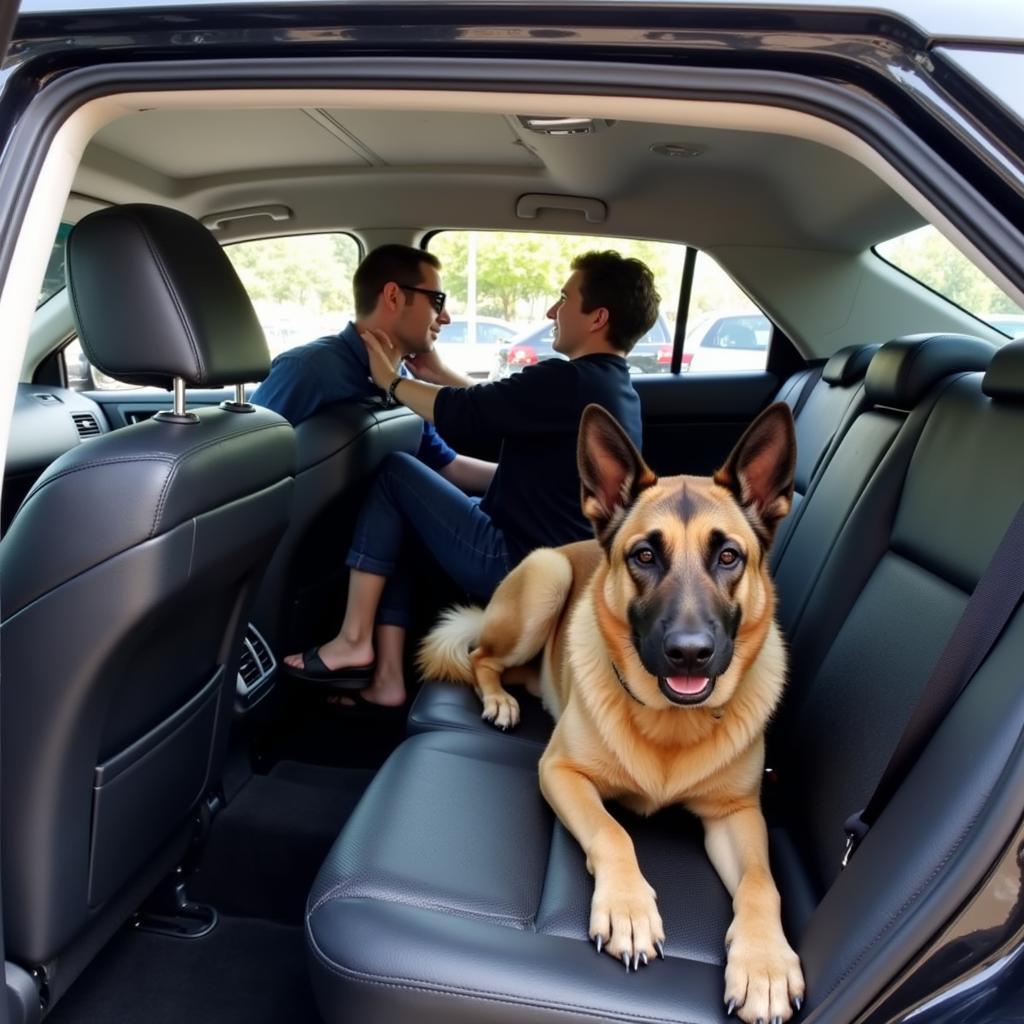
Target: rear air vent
255,667
85,424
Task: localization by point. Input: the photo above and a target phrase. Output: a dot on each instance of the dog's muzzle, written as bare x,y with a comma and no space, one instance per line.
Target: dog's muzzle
692,661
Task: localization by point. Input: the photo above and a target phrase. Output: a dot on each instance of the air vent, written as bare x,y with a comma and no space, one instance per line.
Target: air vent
85,424
255,667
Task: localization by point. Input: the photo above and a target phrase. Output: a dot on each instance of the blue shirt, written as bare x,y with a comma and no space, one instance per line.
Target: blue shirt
332,369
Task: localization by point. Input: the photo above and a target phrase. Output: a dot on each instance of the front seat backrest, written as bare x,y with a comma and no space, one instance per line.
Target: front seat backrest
126,579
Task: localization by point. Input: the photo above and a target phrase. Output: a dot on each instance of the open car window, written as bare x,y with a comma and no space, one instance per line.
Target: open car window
516,276
927,257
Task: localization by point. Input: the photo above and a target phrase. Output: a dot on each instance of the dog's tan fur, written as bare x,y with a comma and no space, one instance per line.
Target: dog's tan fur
567,609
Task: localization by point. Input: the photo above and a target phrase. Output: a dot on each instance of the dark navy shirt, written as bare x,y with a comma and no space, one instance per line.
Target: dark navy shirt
331,369
534,497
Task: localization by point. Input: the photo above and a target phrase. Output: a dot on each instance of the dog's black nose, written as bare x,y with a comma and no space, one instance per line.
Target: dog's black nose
689,652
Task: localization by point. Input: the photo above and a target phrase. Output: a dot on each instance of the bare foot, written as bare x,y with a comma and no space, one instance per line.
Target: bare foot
338,653
389,693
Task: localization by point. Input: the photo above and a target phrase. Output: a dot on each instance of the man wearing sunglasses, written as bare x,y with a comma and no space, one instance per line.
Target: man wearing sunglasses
533,497
397,289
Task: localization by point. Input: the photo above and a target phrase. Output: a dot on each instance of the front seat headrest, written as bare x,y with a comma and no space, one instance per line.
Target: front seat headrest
1005,377
154,297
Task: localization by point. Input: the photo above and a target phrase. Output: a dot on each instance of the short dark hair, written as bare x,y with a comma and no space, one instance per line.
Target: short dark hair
399,263
623,286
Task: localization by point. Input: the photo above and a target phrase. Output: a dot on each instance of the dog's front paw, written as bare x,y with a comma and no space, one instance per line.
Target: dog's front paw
500,709
763,980
624,921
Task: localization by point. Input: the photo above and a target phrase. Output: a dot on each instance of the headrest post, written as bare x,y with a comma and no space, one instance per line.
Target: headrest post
178,414
239,404
179,396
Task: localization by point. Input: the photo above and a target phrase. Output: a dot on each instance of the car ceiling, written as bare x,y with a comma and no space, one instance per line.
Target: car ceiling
374,170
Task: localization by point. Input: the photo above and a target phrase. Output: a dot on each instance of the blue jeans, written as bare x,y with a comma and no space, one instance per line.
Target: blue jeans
410,501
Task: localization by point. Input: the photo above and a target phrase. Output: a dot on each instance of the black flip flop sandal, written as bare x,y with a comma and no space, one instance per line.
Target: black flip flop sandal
352,677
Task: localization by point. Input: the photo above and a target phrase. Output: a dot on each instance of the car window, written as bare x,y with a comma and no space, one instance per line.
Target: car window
300,286
516,276
725,330
928,257
53,280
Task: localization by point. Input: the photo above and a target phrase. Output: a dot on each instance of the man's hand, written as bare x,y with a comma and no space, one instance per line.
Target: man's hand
384,357
427,366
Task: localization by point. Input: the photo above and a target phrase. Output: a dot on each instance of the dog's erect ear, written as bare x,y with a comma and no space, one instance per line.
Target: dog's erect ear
760,470
612,473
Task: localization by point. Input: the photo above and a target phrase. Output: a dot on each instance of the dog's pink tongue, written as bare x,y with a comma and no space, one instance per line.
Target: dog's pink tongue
688,685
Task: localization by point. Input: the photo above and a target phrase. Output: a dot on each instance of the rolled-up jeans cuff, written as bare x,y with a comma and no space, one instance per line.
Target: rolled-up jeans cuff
367,563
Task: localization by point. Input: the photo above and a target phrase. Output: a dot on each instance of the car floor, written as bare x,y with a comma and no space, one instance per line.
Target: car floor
256,870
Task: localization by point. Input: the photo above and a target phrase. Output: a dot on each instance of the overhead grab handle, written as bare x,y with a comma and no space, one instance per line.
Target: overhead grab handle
530,204
215,221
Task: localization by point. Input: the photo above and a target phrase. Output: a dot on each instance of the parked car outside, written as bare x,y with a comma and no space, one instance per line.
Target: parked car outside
727,343
537,344
469,345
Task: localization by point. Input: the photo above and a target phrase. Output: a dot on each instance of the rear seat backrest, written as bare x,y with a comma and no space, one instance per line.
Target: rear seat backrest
909,555
899,376
834,397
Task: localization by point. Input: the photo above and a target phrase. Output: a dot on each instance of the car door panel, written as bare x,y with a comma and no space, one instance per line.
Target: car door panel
691,423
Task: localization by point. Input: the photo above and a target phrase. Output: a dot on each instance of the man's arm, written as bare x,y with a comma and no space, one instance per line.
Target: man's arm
417,395
385,363
468,474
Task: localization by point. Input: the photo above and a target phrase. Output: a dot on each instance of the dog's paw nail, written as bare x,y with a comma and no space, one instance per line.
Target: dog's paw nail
643,959
625,960
798,1003
599,942
636,962
660,947
776,1020
730,1007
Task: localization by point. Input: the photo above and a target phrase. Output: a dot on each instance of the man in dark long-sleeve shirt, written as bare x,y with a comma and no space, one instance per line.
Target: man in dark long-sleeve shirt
534,496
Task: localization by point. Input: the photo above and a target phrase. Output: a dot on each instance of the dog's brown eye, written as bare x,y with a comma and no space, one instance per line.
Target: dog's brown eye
728,556
645,556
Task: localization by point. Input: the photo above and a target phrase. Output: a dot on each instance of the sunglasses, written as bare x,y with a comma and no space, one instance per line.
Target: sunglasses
437,299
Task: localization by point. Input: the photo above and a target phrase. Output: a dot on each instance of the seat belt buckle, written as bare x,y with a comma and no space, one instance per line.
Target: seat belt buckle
856,829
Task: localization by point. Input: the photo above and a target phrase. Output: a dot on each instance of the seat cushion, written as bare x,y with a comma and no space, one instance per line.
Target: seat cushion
454,879
451,706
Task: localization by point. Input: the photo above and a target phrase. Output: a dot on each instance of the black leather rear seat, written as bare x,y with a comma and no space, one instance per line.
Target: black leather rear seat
453,894
835,397
864,390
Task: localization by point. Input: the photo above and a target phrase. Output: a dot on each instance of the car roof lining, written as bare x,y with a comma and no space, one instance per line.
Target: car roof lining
62,174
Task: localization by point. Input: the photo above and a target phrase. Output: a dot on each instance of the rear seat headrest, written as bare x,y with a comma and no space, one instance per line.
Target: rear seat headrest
1005,377
848,365
903,370
154,297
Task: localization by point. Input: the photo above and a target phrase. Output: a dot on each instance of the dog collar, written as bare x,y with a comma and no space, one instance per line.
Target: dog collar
625,685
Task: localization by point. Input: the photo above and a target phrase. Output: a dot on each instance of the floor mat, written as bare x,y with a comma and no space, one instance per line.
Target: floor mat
244,972
266,847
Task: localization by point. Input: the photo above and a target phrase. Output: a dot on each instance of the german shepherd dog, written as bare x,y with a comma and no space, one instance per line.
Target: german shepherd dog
661,661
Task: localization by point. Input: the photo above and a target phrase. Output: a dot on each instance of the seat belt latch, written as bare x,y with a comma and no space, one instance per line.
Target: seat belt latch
855,829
